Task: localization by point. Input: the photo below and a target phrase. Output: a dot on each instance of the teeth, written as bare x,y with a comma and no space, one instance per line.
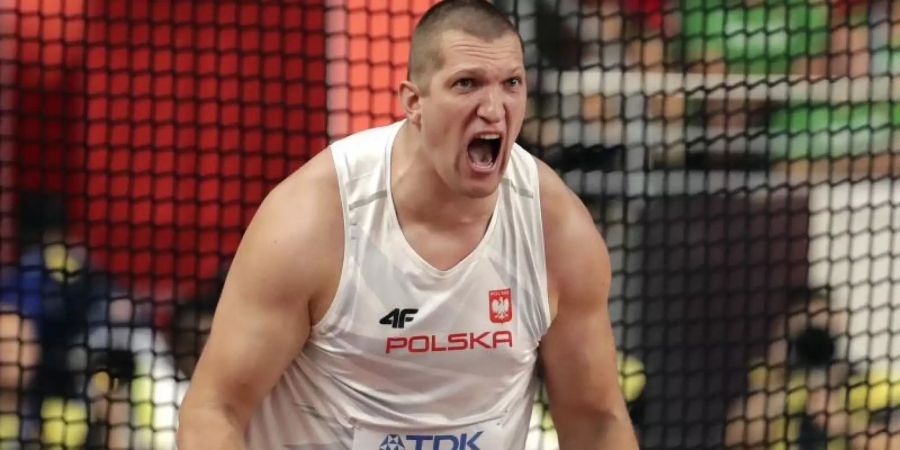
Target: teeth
489,136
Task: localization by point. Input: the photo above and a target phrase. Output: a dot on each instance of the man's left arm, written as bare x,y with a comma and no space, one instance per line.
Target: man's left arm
578,352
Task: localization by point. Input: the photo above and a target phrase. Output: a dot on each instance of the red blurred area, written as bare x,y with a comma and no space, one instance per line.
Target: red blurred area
39,43
369,45
43,50
166,123
650,12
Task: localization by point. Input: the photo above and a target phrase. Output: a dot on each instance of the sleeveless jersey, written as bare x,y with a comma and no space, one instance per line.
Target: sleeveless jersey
411,357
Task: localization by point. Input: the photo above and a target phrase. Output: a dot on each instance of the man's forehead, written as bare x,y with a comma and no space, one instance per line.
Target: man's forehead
457,47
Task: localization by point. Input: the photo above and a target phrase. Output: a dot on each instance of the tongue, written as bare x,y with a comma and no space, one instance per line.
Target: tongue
481,154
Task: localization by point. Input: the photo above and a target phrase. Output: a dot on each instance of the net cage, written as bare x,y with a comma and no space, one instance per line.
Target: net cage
738,157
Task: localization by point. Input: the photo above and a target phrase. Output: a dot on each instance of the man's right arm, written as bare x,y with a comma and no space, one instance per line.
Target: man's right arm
287,258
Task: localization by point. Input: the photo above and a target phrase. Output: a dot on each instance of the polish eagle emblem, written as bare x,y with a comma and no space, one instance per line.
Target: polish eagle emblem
500,302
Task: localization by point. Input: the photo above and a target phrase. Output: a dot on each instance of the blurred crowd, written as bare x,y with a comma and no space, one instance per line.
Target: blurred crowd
755,43
85,364
805,390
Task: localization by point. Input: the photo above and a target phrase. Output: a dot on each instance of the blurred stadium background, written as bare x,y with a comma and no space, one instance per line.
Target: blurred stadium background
739,157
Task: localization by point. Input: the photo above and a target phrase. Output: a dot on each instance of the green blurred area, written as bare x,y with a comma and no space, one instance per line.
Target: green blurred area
825,130
767,38
761,39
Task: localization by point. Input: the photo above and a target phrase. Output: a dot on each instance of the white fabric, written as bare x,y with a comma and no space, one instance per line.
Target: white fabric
464,362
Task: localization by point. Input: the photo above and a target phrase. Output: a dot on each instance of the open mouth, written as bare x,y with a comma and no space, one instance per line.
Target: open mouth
484,151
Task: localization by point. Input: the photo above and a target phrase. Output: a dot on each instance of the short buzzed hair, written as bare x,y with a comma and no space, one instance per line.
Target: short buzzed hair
477,18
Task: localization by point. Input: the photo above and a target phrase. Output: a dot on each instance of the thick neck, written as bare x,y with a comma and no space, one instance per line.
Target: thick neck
421,195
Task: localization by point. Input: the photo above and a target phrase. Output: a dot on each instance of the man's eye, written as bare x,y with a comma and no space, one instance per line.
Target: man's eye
514,82
465,83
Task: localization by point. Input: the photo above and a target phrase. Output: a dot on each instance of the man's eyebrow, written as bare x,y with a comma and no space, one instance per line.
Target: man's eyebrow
467,71
478,71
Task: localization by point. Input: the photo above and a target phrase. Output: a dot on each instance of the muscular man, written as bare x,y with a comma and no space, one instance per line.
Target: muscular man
398,290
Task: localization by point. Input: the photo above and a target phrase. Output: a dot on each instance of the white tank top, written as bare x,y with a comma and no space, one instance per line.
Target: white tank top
410,357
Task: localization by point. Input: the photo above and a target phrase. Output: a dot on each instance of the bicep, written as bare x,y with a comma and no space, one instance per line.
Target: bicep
260,323
579,359
250,345
578,351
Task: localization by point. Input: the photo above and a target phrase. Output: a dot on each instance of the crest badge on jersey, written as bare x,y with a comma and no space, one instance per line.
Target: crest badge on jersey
500,304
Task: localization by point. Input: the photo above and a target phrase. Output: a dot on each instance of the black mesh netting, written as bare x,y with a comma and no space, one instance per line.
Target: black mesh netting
738,155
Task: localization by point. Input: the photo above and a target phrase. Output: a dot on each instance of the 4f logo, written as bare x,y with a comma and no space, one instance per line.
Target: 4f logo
500,304
398,317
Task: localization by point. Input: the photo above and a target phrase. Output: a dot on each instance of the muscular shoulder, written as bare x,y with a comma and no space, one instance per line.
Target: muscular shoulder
577,259
312,185
299,225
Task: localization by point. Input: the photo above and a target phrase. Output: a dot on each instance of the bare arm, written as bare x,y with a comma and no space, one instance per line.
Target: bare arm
578,352
284,263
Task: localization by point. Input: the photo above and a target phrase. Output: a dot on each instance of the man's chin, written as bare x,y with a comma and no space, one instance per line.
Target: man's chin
480,190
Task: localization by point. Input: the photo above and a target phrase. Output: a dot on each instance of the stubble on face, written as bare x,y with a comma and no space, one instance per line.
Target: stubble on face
474,73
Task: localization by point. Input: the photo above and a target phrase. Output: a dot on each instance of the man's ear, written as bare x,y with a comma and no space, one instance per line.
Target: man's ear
411,101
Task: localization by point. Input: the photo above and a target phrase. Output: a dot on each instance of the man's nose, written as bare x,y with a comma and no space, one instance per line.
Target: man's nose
491,106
